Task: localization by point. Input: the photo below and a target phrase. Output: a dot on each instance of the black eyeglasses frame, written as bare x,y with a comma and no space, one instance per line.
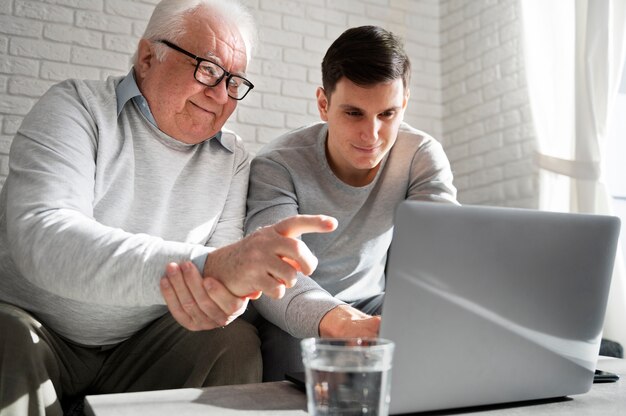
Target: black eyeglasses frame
199,60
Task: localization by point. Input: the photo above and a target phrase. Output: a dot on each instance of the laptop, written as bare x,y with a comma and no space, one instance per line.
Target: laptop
494,305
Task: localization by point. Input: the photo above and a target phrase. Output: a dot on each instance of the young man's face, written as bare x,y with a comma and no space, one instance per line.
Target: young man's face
182,107
363,124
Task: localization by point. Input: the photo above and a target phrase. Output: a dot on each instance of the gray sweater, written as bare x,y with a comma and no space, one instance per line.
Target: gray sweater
291,176
96,205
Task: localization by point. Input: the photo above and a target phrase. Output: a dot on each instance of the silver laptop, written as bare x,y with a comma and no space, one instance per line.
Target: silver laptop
494,305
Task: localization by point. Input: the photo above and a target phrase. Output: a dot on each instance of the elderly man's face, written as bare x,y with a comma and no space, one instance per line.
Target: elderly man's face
182,107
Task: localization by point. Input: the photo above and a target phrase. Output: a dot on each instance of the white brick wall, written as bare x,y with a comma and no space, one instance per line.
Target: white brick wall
487,130
467,84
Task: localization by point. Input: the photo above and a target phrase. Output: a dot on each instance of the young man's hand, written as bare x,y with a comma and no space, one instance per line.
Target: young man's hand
268,260
344,321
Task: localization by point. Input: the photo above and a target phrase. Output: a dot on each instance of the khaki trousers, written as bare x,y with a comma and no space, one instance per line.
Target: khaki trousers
41,371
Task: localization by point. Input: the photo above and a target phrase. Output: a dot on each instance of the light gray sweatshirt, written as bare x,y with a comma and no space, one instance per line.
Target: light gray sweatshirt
291,176
95,205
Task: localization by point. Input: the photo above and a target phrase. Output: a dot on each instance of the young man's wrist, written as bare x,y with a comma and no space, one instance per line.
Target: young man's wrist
332,324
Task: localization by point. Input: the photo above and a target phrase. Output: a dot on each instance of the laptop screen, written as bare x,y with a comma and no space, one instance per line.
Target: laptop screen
490,305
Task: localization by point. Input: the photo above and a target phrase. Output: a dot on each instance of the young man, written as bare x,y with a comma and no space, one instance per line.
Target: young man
112,184
356,165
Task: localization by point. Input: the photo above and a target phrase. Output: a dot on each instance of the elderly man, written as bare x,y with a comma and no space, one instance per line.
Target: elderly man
111,186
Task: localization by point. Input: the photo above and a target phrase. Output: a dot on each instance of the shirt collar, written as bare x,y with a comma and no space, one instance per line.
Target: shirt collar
128,90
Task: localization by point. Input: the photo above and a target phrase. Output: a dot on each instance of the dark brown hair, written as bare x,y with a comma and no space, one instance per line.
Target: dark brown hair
366,55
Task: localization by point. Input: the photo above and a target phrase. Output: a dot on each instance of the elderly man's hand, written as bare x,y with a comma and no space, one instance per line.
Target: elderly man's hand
268,260
198,303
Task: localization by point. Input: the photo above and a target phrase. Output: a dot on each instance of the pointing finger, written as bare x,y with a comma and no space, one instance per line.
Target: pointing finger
302,224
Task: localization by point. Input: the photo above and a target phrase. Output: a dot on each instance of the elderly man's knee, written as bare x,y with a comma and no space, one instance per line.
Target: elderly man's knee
239,358
240,338
18,331
29,369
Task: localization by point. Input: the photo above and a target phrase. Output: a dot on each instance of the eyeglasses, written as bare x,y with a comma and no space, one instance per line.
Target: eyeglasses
210,74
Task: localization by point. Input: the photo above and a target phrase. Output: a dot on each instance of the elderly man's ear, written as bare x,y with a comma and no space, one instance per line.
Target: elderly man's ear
145,58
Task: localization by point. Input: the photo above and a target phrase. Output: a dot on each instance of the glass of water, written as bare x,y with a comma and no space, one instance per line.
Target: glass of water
347,376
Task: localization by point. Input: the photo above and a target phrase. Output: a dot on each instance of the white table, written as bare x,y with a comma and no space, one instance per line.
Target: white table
283,399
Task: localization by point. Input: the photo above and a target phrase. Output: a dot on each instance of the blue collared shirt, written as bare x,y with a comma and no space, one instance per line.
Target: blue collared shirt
128,90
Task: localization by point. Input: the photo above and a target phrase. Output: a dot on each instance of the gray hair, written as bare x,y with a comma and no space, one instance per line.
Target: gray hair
168,21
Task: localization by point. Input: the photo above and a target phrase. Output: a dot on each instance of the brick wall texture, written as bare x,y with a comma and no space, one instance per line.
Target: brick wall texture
467,88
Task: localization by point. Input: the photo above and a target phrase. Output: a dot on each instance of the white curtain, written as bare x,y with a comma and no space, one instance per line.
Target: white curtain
574,50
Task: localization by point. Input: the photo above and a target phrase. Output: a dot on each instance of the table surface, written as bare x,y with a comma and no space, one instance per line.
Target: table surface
284,399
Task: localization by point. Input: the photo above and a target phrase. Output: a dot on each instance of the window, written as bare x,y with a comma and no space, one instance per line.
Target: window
615,157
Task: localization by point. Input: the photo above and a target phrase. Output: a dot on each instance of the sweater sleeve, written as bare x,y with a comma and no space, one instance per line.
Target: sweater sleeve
431,175
272,197
56,243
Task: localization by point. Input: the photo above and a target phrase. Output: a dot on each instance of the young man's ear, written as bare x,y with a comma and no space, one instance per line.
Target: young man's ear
322,103
407,94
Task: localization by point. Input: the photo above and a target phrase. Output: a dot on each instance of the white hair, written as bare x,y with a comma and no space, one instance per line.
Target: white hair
168,21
